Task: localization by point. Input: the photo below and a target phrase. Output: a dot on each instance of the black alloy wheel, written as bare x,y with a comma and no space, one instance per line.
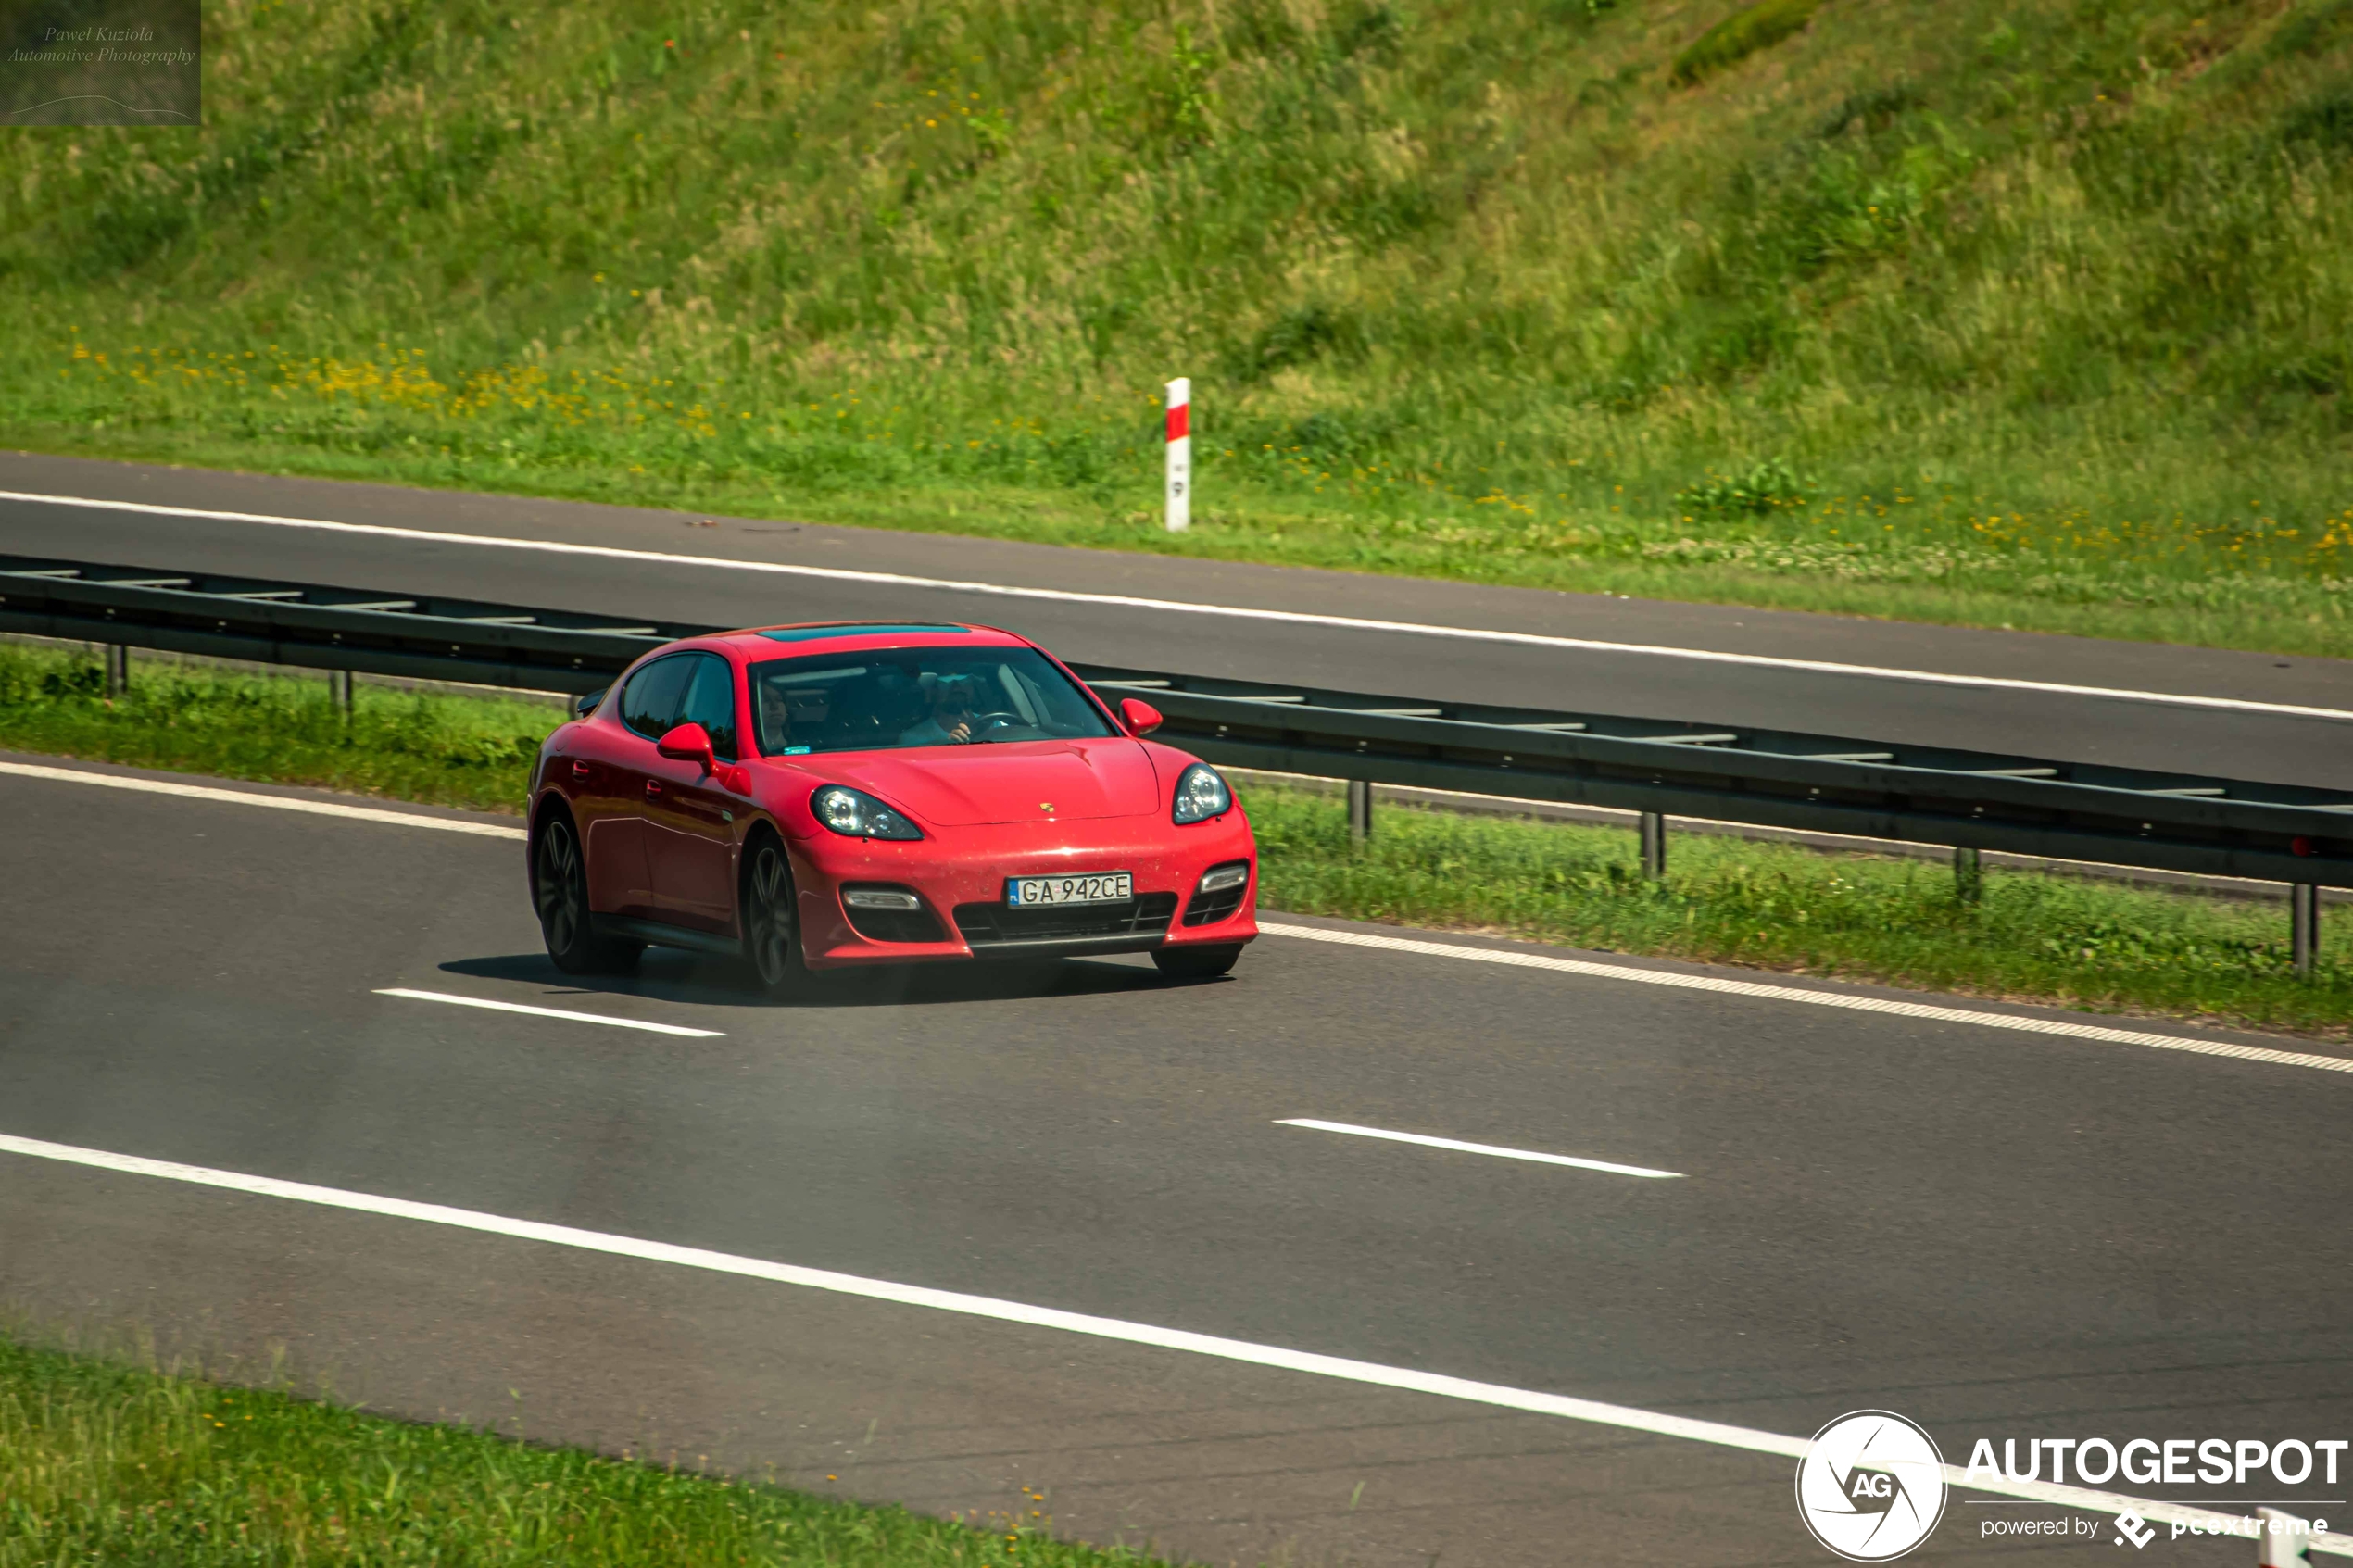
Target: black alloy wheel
772,934
560,889
1197,963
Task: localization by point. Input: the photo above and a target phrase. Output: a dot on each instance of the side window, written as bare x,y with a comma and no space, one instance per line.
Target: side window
710,702
649,703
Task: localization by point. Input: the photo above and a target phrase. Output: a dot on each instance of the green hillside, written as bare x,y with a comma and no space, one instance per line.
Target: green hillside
2035,313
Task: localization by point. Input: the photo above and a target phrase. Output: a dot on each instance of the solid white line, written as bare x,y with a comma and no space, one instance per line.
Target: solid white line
1495,1149
1364,939
275,802
550,1012
1814,998
1405,1379
1131,601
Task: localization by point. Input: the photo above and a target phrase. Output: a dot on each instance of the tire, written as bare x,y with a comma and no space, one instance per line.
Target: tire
561,890
770,922
1197,963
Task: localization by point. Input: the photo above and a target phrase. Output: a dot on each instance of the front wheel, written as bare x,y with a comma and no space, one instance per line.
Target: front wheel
772,934
1197,963
563,897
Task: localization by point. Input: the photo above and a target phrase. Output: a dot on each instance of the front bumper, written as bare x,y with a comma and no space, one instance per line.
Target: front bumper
960,876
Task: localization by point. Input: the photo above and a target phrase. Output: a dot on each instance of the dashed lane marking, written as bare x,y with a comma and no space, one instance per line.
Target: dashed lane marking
565,1015
1460,1146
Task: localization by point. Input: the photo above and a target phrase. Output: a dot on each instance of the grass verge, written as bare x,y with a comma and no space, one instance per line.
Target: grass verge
194,717
2031,937
102,1462
2021,312
2063,575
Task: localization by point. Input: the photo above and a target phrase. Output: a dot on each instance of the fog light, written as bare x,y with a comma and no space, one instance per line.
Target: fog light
1219,877
881,898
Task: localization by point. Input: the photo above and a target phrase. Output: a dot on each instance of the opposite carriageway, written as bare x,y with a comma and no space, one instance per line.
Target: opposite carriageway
1968,801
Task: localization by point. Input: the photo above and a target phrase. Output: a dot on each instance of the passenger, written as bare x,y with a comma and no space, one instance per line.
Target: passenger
951,709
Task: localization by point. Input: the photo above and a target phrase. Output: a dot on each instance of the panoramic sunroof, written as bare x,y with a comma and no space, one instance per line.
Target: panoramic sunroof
853,629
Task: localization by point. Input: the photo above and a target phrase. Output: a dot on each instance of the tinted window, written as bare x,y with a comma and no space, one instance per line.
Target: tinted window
849,629
710,702
883,698
649,703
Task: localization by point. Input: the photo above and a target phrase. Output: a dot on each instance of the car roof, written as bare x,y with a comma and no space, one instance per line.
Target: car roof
760,643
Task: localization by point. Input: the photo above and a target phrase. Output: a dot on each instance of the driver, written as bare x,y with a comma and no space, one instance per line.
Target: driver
776,717
951,713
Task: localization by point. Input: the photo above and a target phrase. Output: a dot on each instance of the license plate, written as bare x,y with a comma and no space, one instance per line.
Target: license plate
1091,888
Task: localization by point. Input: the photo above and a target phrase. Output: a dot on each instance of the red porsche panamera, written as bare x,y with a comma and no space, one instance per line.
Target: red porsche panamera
816,796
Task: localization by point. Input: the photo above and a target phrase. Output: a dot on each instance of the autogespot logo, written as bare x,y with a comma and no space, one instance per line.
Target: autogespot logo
1872,1485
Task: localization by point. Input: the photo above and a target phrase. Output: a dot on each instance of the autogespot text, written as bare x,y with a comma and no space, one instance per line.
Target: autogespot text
2144,1462
2147,1462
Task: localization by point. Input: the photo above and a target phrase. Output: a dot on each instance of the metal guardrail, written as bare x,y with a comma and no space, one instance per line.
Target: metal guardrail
1775,778
1970,800
427,636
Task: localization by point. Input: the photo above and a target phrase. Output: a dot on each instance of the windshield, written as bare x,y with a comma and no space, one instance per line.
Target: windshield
890,697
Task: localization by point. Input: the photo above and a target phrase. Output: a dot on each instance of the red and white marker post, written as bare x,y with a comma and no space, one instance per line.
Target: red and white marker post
1180,454
2283,1540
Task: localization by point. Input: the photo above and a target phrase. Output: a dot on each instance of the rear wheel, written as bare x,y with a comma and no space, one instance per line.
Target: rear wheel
772,934
560,889
1197,963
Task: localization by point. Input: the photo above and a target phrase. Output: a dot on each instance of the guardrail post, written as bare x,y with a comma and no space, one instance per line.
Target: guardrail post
2303,925
2284,1540
1968,876
339,691
117,668
1359,809
1655,846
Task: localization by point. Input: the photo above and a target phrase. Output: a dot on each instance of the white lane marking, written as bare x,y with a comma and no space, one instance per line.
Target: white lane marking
1405,1379
550,1012
1815,998
1496,1150
275,802
1182,606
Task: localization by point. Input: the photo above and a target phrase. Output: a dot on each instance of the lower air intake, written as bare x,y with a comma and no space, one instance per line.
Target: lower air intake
1147,914
1207,908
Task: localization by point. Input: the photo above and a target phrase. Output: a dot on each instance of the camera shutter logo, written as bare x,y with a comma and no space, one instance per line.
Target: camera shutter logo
1872,1485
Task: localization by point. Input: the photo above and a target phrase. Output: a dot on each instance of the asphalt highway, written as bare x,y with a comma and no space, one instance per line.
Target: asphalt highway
1998,1233
2232,743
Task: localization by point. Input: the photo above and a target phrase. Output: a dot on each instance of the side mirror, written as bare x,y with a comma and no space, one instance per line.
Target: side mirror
585,703
1142,717
688,742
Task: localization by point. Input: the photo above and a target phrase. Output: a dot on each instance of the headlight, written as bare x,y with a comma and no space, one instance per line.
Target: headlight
856,815
1202,795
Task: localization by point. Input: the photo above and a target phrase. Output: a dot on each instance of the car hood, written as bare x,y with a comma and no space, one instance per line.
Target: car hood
1017,782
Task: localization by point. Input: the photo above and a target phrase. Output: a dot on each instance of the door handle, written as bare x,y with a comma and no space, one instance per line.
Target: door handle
579,770
653,788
